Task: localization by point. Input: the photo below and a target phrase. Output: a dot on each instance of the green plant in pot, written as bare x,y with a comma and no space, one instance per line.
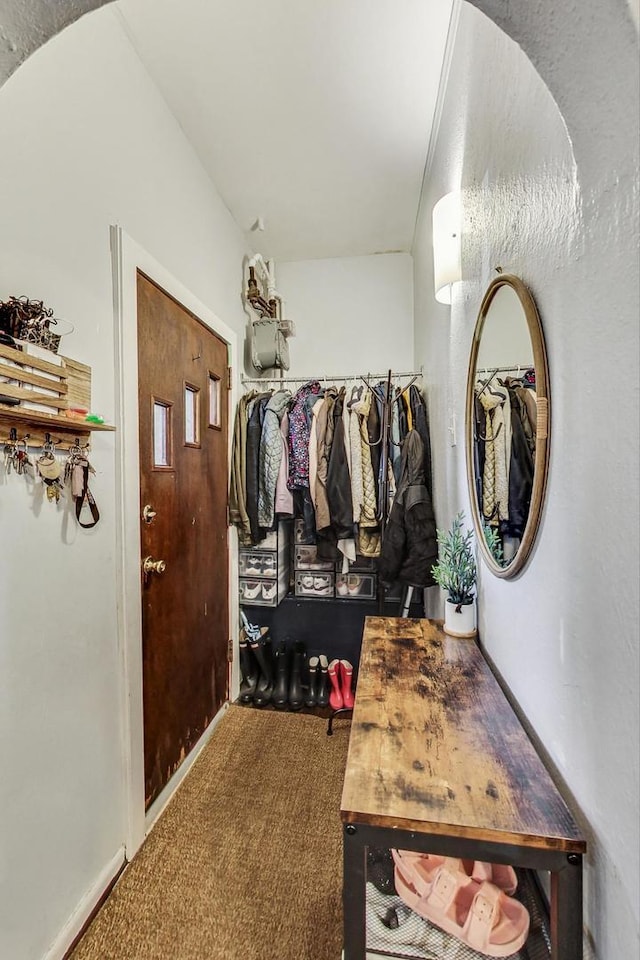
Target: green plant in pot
456,572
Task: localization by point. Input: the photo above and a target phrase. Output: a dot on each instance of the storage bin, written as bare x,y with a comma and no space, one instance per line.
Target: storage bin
306,558
263,593
356,586
314,584
258,564
264,573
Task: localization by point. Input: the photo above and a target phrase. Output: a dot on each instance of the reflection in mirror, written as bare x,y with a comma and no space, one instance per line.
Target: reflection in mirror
507,406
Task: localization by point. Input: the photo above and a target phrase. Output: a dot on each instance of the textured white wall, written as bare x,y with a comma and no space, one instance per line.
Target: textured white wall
353,314
563,215
91,143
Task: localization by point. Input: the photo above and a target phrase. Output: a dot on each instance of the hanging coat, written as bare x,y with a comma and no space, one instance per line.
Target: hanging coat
270,457
369,505
339,532
409,546
284,497
299,430
256,411
238,485
421,424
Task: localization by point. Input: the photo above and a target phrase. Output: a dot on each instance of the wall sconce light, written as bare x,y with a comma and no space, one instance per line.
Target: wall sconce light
447,230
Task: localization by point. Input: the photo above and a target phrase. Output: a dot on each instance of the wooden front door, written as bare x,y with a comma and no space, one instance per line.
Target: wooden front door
183,394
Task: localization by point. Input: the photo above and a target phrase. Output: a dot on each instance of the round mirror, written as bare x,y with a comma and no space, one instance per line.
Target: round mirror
507,422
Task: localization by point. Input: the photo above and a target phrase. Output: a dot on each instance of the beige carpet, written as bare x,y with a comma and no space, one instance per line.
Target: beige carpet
246,862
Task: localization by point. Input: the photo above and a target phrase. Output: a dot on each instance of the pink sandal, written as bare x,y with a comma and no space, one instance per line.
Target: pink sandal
420,868
501,874
478,914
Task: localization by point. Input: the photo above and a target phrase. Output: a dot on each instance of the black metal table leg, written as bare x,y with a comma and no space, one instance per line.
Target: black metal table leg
336,713
354,894
566,910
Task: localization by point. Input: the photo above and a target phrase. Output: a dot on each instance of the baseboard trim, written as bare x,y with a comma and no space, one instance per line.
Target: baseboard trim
88,906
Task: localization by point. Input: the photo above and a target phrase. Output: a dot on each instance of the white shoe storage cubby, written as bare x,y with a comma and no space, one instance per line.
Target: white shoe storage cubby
265,569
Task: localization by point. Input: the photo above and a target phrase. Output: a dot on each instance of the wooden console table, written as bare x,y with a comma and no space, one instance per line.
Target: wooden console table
439,763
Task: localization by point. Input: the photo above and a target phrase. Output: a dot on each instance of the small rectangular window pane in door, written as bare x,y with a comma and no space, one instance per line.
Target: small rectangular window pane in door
214,400
161,434
191,415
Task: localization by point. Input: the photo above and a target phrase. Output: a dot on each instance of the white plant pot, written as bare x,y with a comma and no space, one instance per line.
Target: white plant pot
460,619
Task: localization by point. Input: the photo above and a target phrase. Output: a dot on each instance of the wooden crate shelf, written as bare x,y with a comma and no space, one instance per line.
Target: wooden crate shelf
57,386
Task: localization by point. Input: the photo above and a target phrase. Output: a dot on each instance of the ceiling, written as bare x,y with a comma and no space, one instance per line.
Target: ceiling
313,115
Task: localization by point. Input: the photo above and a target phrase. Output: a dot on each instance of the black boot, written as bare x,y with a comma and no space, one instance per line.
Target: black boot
322,694
262,652
249,672
280,694
296,699
312,689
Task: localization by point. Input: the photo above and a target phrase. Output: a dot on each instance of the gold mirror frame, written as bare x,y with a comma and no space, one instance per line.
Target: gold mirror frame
541,455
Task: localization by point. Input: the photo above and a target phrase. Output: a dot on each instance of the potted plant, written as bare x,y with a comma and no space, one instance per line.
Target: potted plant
456,573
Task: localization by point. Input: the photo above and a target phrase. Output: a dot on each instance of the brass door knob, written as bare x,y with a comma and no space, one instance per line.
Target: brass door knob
149,565
148,513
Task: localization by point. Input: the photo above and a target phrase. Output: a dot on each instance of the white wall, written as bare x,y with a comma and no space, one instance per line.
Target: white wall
563,215
353,315
86,142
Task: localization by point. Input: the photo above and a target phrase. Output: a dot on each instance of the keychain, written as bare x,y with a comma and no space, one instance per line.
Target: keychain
50,470
76,474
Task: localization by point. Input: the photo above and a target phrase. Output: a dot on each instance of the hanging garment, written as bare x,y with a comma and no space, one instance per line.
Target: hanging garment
479,420
374,431
324,439
270,457
369,506
238,486
299,429
395,452
339,533
313,449
495,491
409,547
520,473
382,473
369,541
529,398
355,448
255,410
421,424
403,420
407,399
284,497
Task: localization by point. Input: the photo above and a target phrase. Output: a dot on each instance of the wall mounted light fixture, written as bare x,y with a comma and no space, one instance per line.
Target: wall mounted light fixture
447,230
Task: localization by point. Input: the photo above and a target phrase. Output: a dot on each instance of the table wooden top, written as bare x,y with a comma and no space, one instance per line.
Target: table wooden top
435,746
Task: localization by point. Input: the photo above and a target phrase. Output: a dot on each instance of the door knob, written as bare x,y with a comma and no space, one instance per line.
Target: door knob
148,514
149,565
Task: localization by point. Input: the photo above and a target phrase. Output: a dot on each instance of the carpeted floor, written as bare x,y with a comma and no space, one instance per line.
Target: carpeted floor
246,862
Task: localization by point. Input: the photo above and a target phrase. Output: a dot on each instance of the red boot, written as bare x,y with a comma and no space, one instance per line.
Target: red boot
335,697
347,677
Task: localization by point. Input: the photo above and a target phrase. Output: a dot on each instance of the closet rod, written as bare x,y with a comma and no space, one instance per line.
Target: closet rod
342,377
514,366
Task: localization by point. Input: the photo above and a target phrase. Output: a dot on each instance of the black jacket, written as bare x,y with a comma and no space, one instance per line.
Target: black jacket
409,544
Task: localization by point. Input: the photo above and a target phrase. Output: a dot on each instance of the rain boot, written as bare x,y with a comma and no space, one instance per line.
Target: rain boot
345,684
311,697
262,652
335,697
281,690
296,699
248,669
322,694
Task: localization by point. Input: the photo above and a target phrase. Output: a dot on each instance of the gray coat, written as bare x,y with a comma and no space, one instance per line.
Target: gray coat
270,457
